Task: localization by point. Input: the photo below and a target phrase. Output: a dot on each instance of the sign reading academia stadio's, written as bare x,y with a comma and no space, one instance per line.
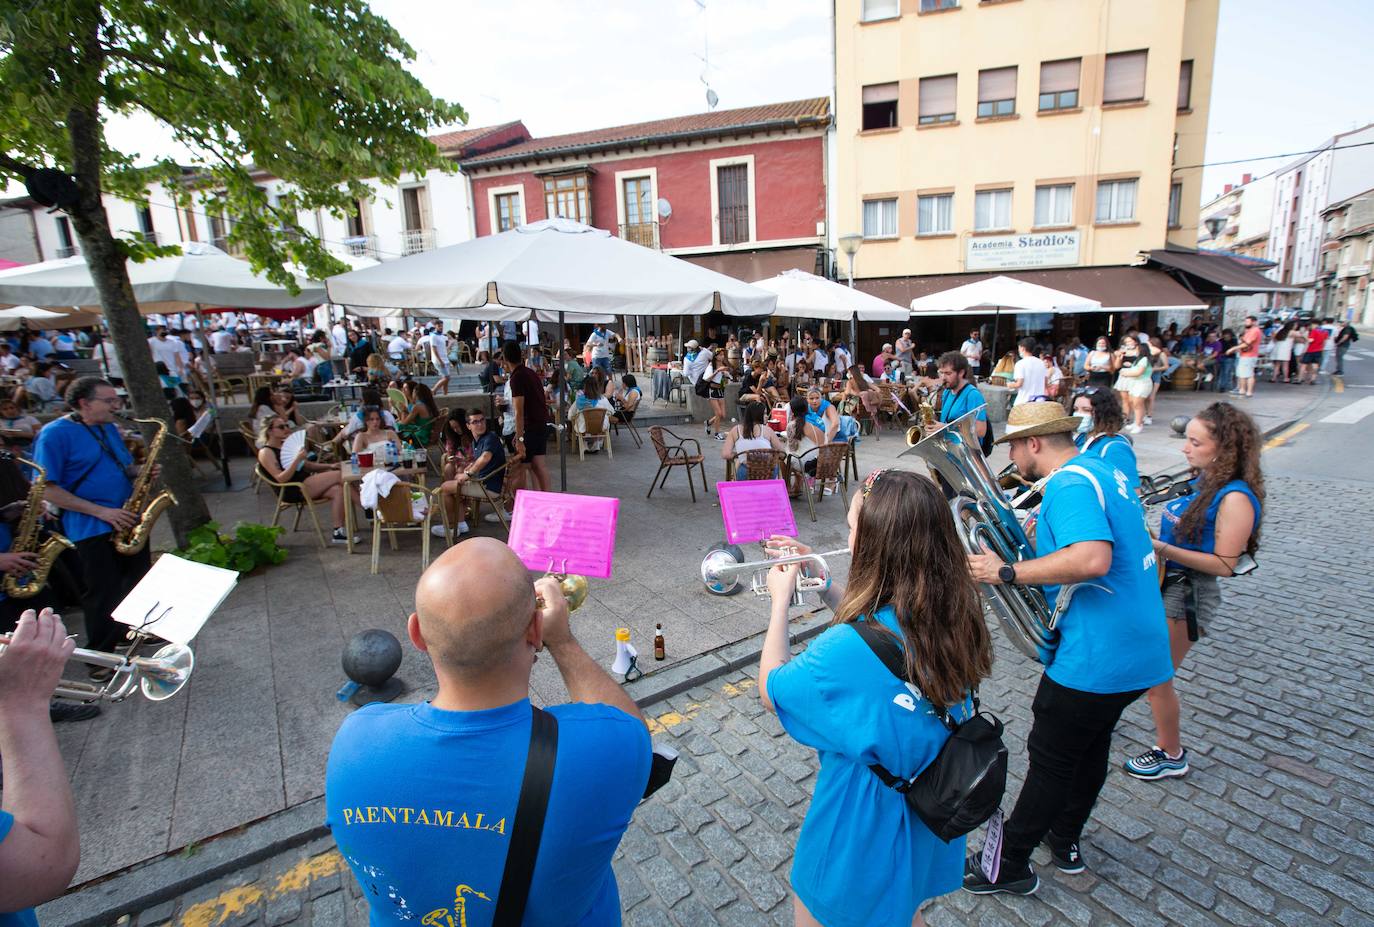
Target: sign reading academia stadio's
1006,252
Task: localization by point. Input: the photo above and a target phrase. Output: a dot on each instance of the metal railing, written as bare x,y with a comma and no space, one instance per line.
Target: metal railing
413,241
641,233
68,251
361,246
149,237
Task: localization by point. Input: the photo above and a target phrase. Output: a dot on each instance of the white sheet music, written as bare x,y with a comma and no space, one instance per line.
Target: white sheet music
202,424
176,598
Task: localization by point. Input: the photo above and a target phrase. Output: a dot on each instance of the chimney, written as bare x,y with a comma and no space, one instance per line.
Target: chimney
1229,188
1246,178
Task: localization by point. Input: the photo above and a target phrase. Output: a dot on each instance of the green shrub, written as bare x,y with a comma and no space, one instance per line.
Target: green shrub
250,546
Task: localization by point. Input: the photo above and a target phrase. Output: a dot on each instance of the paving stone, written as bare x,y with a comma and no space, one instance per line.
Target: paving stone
760,885
649,915
693,913
732,814
687,848
692,814
712,887
1291,888
721,844
282,910
664,880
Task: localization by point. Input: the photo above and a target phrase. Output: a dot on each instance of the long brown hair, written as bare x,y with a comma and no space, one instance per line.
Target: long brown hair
907,555
1238,458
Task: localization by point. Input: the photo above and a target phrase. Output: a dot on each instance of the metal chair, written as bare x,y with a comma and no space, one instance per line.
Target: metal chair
302,502
474,493
762,465
830,459
676,455
394,515
626,418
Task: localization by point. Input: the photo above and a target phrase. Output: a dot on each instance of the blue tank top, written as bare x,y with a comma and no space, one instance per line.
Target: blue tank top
817,418
1173,512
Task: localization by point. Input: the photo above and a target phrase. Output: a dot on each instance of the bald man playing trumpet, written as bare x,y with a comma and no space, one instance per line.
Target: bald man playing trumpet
422,798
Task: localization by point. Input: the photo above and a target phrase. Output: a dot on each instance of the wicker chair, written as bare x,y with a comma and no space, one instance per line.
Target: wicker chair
675,455
762,465
306,503
473,494
393,515
830,468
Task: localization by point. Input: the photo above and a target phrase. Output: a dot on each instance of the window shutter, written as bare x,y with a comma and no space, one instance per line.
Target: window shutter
937,95
1125,77
880,93
880,9
1058,76
1185,85
996,84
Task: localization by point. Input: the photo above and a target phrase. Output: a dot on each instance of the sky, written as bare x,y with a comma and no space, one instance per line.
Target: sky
1288,74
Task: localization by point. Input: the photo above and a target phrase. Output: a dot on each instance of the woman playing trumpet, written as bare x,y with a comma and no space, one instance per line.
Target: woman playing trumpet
910,577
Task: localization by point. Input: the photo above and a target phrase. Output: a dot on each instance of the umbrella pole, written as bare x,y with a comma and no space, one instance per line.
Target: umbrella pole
562,388
210,385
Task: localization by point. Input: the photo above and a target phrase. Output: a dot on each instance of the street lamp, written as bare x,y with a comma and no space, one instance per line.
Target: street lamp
850,244
1214,225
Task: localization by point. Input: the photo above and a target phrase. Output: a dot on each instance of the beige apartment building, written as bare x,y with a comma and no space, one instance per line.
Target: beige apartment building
999,136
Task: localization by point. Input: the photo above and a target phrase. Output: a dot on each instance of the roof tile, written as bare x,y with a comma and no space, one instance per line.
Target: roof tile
461,138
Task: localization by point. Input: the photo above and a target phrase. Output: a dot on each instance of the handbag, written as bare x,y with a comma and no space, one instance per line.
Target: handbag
963,786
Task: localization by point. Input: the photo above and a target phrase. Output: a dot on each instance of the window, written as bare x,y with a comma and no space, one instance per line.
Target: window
931,6
881,9
567,197
508,212
1185,85
992,210
732,195
880,219
880,106
1116,200
357,225
1175,204
1124,79
145,223
66,246
935,214
996,92
1059,84
219,232
637,197
415,208
1054,205
937,99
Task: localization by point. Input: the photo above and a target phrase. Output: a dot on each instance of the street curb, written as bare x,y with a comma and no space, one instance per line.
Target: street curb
167,877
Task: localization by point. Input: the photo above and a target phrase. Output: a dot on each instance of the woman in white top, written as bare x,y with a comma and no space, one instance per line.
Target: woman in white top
1281,354
1134,384
750,435
715,386
800,438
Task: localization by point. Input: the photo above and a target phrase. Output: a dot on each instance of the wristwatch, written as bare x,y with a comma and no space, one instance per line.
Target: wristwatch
1007,573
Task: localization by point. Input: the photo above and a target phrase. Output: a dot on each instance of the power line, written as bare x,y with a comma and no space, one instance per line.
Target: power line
1291,154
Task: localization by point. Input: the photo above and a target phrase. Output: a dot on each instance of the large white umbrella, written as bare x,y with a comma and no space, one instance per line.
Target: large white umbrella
202,275
1002,293
11,319
548,267
807,296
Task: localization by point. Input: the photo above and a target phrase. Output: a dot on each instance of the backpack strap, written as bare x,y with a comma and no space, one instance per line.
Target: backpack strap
528,828
1087,474
885,647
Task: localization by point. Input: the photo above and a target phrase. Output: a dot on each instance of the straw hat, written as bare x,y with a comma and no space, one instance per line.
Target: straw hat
1028,419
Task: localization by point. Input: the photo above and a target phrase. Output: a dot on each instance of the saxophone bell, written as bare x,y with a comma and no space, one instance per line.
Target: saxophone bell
129,541
31,536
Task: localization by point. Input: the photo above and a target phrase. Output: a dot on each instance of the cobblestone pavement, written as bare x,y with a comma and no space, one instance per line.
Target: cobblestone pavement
1274,825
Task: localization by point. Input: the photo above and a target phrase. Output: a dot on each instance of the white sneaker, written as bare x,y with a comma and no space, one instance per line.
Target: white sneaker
439,531
463,527
1134,430
1149,420
493,518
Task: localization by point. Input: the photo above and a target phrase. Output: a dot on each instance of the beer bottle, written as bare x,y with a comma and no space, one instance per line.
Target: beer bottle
659,653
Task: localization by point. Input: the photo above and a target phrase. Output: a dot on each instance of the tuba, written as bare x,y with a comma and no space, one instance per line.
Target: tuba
30,536
132,540
986,521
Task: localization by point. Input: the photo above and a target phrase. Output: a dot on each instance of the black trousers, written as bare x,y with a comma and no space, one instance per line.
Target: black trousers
1068,745
109,577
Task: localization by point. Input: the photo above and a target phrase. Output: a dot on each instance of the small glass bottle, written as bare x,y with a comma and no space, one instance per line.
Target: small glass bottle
659,651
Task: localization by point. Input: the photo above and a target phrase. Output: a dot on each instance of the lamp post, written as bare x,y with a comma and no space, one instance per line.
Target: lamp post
850,244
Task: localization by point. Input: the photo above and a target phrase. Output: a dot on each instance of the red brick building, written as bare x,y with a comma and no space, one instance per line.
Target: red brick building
740,191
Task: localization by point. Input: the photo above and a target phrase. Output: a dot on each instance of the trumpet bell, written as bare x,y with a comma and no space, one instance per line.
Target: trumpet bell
574,590
713,569
174,665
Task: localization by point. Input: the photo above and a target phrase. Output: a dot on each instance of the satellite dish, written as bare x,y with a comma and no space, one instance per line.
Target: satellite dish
665,209
711,98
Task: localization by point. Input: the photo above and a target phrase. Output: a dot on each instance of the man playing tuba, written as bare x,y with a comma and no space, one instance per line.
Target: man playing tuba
90,476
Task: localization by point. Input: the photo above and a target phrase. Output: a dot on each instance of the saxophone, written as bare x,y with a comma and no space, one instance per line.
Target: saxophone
30,536
129,541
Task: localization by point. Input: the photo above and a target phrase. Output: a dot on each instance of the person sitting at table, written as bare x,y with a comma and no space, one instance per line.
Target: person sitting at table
751,385
822,415
284,404
417,423
489,373
296,370
626,399
456,441
591,397
858,385
320,481
41,389
488,457
16,424
322,366
260,407
574,370
751,434
185,410
374,431
380,370
798,440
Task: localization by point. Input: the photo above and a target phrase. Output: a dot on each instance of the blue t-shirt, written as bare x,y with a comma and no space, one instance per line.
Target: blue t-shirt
421,802
954,405
863,857
1116,642
490,444
68,450
1174,509
41,349
817,417
1116,450
26,917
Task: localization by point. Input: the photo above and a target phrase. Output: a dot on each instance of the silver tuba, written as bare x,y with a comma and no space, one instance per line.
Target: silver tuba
987,521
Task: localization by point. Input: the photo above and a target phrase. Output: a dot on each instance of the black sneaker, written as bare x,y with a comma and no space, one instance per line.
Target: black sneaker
60,712
1012,880
1066,857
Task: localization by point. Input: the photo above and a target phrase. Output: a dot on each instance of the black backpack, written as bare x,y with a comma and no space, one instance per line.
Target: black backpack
963,785
702,387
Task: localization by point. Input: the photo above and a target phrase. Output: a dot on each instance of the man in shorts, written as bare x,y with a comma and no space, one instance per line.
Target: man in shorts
1250,339
531,436
1312,355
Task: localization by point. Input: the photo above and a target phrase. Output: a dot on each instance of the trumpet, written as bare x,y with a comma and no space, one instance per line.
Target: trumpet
159,677
724,568
574,587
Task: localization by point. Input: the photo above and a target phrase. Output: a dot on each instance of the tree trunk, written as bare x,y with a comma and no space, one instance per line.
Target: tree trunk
110,273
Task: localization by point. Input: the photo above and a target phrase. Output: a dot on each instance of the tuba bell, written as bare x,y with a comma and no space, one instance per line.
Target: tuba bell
986,521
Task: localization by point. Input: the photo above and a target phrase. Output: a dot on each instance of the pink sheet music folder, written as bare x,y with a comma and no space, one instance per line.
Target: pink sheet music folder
754,510
564,533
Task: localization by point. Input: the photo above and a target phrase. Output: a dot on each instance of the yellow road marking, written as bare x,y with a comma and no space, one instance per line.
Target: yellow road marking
671,719
1283,437
1339,384
238,900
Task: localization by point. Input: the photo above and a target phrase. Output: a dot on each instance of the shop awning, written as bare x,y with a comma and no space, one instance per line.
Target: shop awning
751,266
1214,275
1118,289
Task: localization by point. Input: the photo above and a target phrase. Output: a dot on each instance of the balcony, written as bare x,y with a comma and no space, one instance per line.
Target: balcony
228,247
1356,270
361,246
68,251
149,237
413,241
641,233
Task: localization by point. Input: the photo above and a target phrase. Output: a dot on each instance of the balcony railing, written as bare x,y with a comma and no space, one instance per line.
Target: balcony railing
68,251
641,233
413,241
149,237
361,246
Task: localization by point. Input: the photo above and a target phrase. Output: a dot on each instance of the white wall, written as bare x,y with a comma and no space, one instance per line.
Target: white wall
1256,208
1353,170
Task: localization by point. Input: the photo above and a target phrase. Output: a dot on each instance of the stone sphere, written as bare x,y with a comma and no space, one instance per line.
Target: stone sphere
372,657
1180,424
